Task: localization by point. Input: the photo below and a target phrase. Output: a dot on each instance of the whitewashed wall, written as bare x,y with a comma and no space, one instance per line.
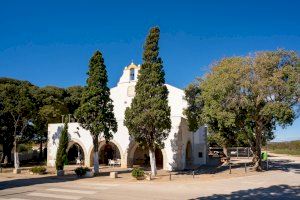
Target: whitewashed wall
122,94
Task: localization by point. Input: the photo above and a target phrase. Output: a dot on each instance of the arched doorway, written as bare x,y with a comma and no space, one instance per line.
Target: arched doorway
108,151
188,154
141,157
75,154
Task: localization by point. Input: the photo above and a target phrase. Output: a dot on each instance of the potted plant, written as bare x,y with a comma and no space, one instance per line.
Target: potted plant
61,155
83,171
138,173
38,170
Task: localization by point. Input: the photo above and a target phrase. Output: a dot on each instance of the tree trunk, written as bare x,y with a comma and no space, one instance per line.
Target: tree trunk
152,162
16,156
41,152
225,151
257,154
96,155
1,158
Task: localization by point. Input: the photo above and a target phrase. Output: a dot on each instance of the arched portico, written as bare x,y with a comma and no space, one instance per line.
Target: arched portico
107,150
76,147
136,155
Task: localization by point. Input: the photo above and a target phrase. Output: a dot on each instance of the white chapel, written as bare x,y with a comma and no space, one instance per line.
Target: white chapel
183,149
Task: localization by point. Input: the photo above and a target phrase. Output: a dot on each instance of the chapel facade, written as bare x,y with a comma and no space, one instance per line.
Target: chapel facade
183,149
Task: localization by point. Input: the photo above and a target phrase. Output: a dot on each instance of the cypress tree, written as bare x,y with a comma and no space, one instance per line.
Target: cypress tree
61,154
148,118
96,108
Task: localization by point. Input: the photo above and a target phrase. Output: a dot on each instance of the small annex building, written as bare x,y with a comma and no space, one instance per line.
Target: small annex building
183,149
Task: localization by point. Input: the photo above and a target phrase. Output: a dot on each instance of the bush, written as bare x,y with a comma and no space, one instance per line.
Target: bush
38,170
137,173
81,171
61,155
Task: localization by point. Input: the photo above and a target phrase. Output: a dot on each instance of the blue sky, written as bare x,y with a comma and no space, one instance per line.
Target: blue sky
50,42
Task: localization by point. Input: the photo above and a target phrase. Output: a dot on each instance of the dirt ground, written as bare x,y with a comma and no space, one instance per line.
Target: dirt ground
281,181
240,167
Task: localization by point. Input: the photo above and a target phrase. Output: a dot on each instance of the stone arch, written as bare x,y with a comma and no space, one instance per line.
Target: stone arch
73,142
102,143
132,147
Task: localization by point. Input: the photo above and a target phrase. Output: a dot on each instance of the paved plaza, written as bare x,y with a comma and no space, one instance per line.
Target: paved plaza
282,181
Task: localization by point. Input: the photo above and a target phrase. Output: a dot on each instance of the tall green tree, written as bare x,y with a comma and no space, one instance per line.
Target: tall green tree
6,120
61,154
250,96
73,98
195,106
51,105
219,134
6,134
268,94
17,103
148,118
96,107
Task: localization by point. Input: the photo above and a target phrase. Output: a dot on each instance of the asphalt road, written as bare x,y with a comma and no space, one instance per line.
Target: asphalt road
281,182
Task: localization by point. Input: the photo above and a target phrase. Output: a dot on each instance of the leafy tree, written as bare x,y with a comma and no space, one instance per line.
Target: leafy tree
250,96
6,120
61,154
17,103
6,134
198,115
148,118
50,106
195,106
52,103
73,98
268,94
96,108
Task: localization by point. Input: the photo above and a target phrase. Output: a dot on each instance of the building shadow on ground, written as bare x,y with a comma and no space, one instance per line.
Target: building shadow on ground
22,182
281,192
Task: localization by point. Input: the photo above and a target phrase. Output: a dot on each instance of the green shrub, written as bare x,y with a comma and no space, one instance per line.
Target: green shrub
137,173
81,171
61,155
38,170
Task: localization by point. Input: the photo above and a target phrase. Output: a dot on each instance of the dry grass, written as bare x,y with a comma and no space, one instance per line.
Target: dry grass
290,148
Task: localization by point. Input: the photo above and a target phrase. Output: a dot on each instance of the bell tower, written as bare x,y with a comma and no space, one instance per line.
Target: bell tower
130,73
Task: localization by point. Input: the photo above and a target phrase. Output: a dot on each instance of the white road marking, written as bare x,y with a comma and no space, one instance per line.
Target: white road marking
13,199
100,184
37,194
72,191
85,187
